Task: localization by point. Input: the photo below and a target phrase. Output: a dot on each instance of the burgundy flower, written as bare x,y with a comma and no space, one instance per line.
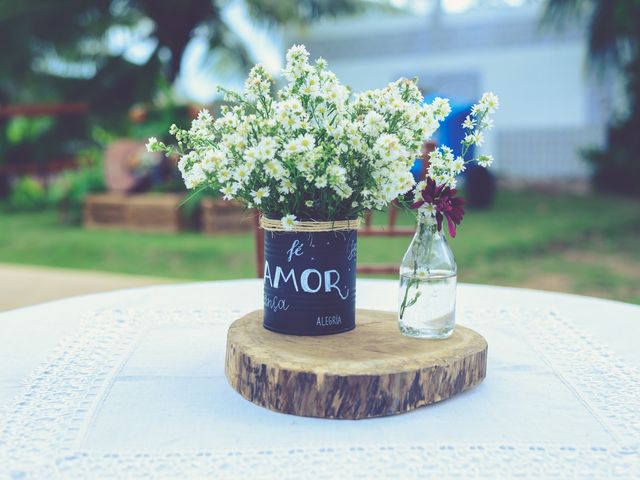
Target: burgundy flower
446,203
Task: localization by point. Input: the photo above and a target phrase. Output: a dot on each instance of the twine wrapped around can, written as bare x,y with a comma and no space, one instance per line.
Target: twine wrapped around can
274,225
310,276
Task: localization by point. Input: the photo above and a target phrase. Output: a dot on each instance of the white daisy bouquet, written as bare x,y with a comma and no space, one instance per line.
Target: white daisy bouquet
312,151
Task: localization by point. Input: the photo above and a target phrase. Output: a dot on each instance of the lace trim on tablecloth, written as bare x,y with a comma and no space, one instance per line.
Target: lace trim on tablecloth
39,432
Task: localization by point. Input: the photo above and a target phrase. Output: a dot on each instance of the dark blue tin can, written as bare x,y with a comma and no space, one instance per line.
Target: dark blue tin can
310,282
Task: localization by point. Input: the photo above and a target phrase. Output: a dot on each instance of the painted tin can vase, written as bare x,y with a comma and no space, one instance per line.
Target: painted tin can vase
310,280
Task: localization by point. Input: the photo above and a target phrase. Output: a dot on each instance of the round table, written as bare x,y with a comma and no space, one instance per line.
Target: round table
131,384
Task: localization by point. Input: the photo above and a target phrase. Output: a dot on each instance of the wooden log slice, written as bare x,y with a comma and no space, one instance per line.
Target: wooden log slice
371,371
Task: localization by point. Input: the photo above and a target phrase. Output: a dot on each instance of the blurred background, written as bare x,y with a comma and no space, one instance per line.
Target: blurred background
83,83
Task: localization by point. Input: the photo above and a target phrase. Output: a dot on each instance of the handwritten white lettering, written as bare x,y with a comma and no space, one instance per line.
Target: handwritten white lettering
328,320
274,303
304,280
296,249
291,275
267,273
328,285
353,250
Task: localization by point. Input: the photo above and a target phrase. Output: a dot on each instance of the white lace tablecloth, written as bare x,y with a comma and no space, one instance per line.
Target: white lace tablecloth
131,384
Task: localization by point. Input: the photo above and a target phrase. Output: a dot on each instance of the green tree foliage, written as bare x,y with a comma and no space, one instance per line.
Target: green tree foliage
614,43
27,195
60,51
56,50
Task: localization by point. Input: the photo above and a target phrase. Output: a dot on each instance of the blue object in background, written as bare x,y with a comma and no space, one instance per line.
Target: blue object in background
479,184
416,169
450,132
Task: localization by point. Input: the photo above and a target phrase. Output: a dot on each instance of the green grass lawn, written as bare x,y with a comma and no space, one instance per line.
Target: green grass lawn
558,242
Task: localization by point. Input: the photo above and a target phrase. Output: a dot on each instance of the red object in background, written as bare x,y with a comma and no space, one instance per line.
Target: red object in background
138,114
44,109
259,245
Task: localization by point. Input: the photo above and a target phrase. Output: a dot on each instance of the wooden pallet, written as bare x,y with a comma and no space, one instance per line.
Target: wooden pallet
222,216
145,212
105,210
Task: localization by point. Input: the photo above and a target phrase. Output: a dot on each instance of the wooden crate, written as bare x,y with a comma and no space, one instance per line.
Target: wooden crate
105,210
222,216
155,212
145,212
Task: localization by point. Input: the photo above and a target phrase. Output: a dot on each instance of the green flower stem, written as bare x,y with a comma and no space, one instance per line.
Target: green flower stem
415,281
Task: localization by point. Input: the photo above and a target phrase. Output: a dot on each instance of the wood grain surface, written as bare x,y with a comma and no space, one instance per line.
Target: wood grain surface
371,371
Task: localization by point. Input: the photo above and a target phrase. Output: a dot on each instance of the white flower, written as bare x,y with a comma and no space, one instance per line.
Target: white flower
486,124
475,138
387,146
224,175
428,209
405,181
458,165
274,169
422,273
286,186
304,163
194,176
213,160
321,181
389,191
266,149
297,64
374,123
259,194
306,142
242,173
201,125
441,108
485,160
234,140
313,139
228,191
292,120
291,148
441,179
289,222
336,173
337,94
489,102
311,87
258,82
152,144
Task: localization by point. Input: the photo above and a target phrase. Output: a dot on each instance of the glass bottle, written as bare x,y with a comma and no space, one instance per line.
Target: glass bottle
427,297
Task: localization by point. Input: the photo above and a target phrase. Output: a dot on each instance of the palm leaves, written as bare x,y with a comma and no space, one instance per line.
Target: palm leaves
614,29
75,33
614,42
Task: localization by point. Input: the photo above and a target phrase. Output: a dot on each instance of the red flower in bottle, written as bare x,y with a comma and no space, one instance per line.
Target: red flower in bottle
446,203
